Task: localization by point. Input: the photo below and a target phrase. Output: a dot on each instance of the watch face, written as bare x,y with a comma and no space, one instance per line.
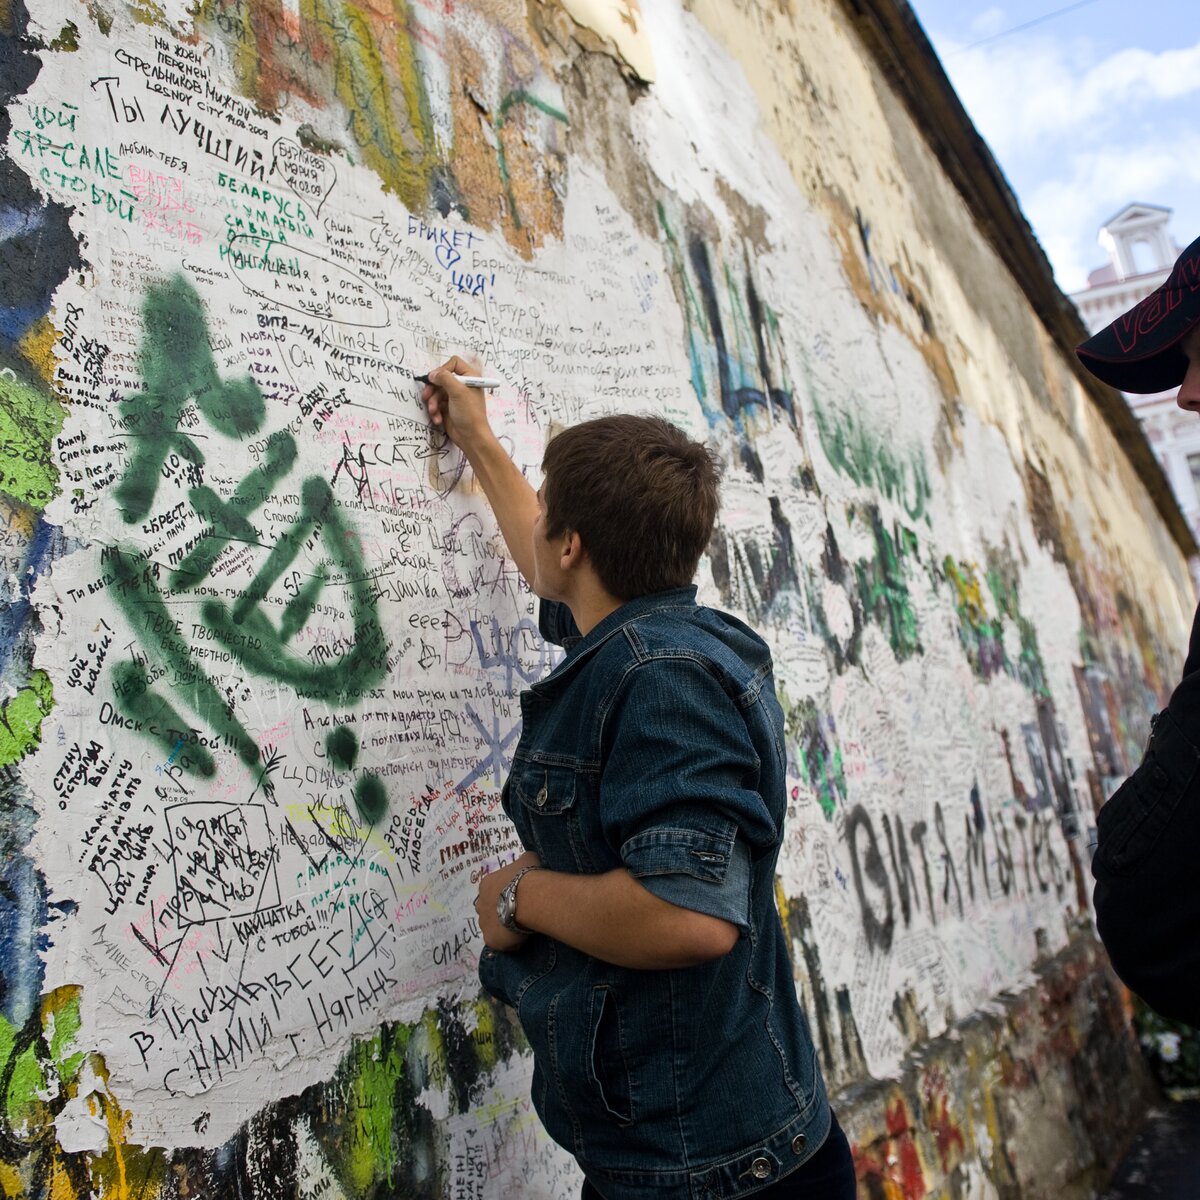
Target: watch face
505,906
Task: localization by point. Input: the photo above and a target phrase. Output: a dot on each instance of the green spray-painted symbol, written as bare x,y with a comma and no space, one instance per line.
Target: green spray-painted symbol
370,795
179,371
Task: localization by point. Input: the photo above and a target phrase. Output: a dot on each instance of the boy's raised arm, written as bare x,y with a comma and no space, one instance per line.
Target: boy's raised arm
461,413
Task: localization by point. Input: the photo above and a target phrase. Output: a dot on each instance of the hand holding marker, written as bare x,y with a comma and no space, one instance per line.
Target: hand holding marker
453,396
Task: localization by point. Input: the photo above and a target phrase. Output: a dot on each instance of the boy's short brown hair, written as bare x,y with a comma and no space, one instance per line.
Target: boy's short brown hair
640,493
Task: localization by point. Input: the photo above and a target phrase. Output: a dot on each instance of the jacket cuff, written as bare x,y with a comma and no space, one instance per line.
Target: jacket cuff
696,871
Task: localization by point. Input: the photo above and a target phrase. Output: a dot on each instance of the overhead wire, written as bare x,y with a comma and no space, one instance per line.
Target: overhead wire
995,37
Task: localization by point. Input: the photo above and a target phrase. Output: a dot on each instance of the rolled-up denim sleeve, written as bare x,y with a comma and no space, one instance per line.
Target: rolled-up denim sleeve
675,868
679,790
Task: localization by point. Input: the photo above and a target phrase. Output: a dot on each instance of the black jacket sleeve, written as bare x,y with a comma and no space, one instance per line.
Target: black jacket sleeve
1147,861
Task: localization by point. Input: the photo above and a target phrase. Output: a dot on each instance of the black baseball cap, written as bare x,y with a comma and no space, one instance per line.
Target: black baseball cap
1139,351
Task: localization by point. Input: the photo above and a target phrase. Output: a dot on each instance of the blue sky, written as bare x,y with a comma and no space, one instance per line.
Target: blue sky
1085,112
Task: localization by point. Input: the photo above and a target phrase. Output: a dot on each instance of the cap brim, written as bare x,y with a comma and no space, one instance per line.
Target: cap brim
1139,351
1158,372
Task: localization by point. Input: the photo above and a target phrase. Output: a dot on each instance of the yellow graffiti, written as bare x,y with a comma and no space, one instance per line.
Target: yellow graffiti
43,1070
37,347
376,78
968,592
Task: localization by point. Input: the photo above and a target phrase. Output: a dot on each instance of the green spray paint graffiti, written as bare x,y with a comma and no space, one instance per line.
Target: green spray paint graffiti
370,796
818,752
883,586
29,422
21,718
179,371
982,635
859,452
518,98
1002,583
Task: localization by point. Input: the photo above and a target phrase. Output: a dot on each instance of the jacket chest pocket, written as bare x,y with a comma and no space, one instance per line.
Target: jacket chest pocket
545,789
550,810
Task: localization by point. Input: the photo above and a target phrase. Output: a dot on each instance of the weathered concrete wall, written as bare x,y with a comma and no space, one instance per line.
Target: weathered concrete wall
262,646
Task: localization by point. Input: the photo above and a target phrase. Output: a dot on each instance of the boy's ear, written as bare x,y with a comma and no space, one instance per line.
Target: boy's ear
573,552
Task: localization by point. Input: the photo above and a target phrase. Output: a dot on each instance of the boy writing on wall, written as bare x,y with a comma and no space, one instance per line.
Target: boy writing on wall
637,937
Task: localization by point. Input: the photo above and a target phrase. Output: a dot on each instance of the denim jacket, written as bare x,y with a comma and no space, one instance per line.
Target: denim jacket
657,745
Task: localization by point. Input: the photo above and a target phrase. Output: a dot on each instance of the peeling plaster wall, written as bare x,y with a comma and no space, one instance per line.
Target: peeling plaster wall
262,647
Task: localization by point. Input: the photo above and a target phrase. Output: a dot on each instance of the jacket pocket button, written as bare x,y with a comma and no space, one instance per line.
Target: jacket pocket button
798,1143
760,1168
541,798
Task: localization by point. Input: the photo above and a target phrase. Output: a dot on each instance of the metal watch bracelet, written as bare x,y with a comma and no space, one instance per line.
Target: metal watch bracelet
506,906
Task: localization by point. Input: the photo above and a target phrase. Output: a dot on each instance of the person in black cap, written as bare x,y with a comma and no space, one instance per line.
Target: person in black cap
1147,860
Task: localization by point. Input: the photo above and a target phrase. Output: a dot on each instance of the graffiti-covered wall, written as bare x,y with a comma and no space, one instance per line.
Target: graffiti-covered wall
262,646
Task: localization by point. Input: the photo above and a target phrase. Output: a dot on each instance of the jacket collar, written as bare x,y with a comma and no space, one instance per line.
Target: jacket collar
641,606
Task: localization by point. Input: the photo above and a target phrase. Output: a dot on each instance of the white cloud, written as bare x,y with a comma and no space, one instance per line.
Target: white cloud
1092,185
989,23
1079,137
1025,90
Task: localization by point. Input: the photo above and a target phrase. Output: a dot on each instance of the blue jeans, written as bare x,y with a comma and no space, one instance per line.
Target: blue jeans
828,1175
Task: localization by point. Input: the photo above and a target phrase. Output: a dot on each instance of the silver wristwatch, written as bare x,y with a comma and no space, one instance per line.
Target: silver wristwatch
506,905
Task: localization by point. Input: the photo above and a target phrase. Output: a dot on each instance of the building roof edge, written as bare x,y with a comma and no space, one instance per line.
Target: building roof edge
1134,204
